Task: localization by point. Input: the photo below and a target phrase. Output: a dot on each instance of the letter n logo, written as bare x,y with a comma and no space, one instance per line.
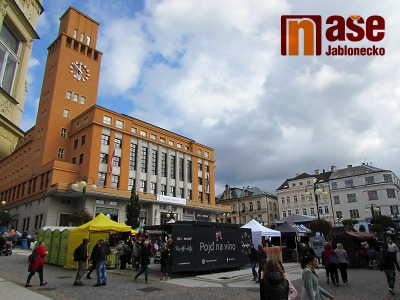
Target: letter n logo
311,29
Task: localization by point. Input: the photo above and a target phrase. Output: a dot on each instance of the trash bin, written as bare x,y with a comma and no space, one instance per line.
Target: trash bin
24,244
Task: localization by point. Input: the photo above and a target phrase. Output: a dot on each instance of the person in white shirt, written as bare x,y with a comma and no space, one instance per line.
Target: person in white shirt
393,249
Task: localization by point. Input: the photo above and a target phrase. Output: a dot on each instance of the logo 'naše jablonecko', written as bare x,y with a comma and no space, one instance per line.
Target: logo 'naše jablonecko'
353,29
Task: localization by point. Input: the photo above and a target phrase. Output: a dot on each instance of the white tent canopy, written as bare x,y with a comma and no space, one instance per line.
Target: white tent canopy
258,231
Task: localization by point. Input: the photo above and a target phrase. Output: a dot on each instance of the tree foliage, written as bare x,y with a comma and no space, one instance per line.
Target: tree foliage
385,221
5,218
133,210
321,225
80,217
349,223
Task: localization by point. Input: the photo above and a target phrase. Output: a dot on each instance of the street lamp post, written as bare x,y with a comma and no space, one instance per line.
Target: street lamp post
81,184
318,192
374,209
171,215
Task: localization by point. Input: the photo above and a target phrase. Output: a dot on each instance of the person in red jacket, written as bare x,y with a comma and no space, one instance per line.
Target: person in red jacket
37,265
330,260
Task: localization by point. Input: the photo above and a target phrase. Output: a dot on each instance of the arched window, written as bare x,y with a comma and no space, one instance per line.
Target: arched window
251,206
258,205
243,207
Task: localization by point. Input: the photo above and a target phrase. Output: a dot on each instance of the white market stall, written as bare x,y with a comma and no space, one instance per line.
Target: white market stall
258,231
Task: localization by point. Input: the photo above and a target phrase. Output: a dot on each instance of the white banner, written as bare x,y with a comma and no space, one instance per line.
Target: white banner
173,200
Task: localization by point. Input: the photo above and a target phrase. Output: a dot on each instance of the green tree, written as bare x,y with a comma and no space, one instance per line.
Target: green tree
80,217
133,210
385,221
349,223
322,226
5,218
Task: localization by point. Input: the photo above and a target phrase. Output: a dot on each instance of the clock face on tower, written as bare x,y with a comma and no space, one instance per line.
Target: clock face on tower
79,71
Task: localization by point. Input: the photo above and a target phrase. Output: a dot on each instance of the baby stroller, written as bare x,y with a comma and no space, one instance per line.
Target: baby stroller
6,251
157,257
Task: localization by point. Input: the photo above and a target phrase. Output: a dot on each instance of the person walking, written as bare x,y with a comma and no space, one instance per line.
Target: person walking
93,259
171,258
164,261
393,249
253,261
387,265
261,259
311,289
145,254
331,260
323,263
81,257
273,285
37,265
343,262
123,251
136,255
101,259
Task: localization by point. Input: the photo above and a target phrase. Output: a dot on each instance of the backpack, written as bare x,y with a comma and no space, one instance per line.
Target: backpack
76,254
333,259
32,257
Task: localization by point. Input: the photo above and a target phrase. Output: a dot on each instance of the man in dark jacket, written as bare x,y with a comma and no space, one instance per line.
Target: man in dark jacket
253,261
93,260
101,259
80,255
388,267
261,259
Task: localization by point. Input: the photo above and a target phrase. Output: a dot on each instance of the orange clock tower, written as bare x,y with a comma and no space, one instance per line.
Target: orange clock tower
70,83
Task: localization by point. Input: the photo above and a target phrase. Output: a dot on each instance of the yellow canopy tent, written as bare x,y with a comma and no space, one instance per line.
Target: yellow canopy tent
98,228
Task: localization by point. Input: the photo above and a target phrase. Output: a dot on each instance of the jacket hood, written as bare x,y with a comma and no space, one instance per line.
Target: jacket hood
274,277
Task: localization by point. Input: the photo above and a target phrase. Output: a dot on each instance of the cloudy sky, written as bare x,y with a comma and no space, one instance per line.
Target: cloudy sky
212,71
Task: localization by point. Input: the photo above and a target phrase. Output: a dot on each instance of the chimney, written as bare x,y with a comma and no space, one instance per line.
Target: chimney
316,172
333,169
349,166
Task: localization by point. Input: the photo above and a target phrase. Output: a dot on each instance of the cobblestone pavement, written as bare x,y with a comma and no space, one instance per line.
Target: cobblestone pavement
363,283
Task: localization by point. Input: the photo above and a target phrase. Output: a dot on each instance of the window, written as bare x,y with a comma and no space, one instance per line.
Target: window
88,40
103,158
296,211
63,132
162,140
351,198
9,51
372,195
369,180
305,211
334,185
132,157
326,209
189,171
163,189
303,199
394,210
131,183
173,169
171,143
181,192
289,212
295,199
119,124
206,154
348,183
391,193
339,214
83,100
251,206
114,181
153,137
199,151
172,191
200,180
153,188
107,120
181,175
73,160
336,200
259,205
60,153
81,156
76,144
68,95
143,133
179,145
243,207
116,161
275,206
142,188
154,162
133,130
284,214
82,37
101,180
163,164
143,164
105,139
287,199
83,140
66,113
199,166
283,200
75,33
387,178
312,211
354,213
117,143
76,97
201,197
